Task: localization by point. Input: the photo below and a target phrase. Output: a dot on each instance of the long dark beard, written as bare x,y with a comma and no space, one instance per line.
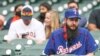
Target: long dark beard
71,34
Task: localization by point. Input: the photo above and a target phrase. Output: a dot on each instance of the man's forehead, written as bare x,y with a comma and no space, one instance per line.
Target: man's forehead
75,18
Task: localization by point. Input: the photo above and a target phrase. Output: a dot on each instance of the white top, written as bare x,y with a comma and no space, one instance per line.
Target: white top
35,30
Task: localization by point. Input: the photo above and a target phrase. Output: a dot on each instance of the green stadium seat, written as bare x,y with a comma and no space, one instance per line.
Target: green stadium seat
96,34
33,50
20,41
4,52
2,34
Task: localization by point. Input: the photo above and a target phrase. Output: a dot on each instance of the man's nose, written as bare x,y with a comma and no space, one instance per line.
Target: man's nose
74,22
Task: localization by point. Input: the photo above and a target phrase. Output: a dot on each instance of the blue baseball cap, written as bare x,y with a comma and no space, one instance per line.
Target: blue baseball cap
72,13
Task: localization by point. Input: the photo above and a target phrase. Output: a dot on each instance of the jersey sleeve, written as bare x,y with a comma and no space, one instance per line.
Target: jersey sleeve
91,45
11,33
50,47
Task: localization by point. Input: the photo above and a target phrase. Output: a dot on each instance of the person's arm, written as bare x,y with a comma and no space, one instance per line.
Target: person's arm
92,21
50,46
92,27
11,33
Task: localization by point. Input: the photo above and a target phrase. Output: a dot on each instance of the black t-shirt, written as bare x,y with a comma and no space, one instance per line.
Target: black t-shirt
95,18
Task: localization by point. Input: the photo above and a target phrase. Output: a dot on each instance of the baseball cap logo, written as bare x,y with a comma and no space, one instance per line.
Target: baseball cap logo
75,11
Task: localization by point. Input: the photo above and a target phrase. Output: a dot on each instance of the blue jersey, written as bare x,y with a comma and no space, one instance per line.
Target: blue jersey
82,44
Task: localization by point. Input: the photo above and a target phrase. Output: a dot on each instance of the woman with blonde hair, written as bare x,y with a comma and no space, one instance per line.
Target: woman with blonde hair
51,22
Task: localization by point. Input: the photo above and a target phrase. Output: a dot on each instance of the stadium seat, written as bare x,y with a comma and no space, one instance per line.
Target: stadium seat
6,52
96,34
2,34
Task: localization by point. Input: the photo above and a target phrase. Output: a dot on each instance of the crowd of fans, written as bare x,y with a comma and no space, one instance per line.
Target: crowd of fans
23,24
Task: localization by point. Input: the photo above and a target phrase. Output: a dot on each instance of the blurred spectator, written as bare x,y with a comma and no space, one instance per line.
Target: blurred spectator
27,27
94,20
43,8
17,15
83,20
2,19
51,22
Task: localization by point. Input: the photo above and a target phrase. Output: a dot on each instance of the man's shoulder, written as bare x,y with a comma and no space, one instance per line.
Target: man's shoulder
37,23
34,20
82,30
